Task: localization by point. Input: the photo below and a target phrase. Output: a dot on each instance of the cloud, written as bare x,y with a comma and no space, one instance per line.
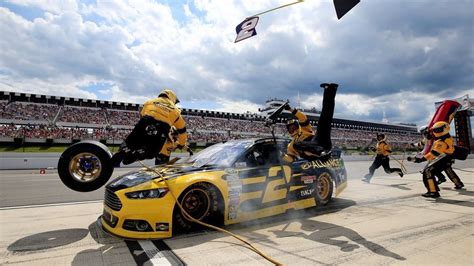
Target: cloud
52,6
384,54
404,106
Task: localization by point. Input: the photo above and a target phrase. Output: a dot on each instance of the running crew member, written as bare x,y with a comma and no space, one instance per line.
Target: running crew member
383,151
306,143
150,133
441,157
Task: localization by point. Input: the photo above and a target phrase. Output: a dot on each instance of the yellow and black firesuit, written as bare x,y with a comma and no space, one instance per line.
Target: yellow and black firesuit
300,130
441,160
306,143
426,136
150,133
383,151
170,145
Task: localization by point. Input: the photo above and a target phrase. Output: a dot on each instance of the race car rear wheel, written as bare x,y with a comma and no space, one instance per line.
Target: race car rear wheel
85,166
323,188
203,202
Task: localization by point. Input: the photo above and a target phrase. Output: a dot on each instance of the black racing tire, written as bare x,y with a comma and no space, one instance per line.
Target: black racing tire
323,188
85,166
203,202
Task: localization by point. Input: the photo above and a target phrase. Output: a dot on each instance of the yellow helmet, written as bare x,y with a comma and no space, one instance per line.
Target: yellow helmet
440,129
167,93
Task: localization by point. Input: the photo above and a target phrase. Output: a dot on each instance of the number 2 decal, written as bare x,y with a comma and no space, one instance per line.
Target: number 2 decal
273,194
246,29
265,190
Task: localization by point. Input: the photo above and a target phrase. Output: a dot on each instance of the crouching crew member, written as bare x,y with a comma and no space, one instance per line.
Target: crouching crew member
383,151
441,160
426,136
150,133
306,143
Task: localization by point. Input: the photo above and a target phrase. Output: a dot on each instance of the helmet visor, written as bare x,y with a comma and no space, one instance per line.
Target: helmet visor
439,129
292,128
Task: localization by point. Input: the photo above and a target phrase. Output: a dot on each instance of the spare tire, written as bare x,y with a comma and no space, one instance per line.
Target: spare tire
85,166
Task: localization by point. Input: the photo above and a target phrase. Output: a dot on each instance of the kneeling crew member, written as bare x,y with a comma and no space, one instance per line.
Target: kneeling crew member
306,143
440,154
150,133
383,151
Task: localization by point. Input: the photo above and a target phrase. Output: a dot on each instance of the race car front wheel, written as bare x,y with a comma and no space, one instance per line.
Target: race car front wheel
85,166
203,202
323,188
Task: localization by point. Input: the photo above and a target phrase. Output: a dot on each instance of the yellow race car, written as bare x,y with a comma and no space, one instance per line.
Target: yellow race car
226,183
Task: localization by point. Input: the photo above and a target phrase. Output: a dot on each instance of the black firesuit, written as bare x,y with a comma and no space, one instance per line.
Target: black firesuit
307,144
383,151
150,133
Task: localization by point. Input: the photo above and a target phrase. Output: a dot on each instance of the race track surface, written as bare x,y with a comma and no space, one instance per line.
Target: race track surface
385,222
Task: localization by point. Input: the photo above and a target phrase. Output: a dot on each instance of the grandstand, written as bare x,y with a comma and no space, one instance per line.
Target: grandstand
42,119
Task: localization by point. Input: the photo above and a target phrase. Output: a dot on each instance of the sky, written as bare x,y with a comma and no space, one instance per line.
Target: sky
396,57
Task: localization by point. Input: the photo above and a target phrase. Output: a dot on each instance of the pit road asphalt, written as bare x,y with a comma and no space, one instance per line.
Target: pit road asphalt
385,222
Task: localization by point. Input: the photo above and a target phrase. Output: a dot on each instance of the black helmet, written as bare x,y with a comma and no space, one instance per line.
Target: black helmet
381,137
293,127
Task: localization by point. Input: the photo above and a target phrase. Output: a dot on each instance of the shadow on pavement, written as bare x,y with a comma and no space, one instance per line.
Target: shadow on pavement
464,203
461,191
106,254
47,240
250,227
398,186
326,233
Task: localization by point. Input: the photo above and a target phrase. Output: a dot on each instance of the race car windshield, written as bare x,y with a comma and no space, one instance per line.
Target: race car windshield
222,154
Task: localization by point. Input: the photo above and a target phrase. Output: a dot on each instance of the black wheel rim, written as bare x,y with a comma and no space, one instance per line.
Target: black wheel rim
196,203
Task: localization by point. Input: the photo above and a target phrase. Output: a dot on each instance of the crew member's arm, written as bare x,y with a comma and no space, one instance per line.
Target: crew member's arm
180,125
303,120
439,147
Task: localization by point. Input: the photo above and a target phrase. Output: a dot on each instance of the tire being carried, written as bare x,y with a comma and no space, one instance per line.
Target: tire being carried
85,166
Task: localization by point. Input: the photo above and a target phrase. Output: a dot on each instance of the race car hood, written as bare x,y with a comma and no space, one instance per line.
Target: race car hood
141,176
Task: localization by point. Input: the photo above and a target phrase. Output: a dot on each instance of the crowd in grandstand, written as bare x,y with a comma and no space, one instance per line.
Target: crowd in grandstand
129,118
109,124
82,115
28,111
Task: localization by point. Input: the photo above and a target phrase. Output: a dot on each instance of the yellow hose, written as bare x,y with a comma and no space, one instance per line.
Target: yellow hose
402,166
253,248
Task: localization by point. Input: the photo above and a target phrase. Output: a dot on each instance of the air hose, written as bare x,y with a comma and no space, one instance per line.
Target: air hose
189,217
402,166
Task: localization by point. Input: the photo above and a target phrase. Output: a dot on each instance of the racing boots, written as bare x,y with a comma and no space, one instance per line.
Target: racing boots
331,86
459,186
431,195
366,179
